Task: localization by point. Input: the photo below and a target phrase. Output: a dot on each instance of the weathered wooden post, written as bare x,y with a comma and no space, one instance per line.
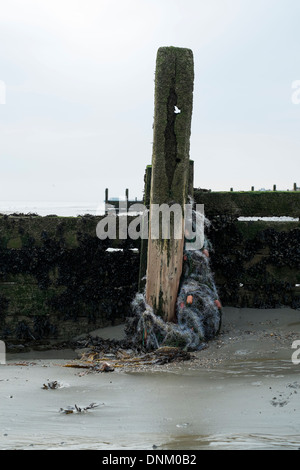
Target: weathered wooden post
144,241
174,82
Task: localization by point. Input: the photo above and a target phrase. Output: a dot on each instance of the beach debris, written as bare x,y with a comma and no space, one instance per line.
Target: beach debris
106,367
77,409
54,385
294,385
51,385
90,361
279,402
23,364
93,361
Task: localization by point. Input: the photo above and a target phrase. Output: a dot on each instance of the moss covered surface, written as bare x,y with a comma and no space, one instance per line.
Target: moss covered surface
57,279
55,272
174,84
256,264
250,203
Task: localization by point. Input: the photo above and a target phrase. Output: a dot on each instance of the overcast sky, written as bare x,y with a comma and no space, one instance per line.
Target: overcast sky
79,77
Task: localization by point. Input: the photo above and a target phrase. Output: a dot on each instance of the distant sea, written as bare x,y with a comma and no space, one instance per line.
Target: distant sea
73,209
67,209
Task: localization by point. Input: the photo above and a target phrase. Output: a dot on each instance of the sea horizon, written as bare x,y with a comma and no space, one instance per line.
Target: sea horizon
59,208
75,208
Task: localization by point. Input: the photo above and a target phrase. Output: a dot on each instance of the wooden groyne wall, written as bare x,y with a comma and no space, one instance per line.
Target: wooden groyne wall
58,279
256,262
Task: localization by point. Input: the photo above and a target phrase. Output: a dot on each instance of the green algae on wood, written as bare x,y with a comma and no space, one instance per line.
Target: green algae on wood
174,83
250,203
174,80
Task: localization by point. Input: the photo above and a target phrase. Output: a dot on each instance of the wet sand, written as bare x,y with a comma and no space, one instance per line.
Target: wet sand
241,392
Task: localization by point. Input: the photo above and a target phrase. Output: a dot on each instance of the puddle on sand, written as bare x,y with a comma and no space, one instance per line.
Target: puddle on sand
294,324
257,366
234,442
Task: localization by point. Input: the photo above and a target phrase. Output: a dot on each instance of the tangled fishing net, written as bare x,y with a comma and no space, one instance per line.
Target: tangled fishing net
198,309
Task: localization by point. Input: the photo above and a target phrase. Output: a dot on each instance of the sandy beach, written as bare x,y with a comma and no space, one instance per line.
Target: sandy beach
241,392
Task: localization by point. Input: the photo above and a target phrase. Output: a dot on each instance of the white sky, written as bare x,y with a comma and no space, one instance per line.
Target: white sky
79,79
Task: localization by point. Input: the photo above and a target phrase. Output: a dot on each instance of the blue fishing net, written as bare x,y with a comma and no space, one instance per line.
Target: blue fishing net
198,309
